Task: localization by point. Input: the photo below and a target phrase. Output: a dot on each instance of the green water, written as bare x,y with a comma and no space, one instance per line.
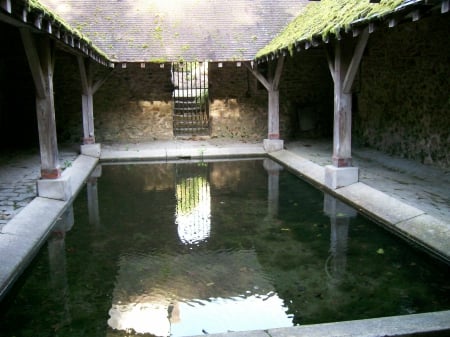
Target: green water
188,249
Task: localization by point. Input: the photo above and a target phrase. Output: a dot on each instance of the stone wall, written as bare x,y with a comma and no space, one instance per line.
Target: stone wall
306,95
404,92
238,108
135,105
18,122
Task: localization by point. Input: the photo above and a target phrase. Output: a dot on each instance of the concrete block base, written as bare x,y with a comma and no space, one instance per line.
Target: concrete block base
91,150
336,177
59,189
272,145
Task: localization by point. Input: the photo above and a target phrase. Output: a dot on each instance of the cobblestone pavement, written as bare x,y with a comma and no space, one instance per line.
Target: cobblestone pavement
422,186
18,174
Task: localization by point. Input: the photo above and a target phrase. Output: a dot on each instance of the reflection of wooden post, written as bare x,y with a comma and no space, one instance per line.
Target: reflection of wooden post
57,262
271,83
343,67
41,62
92,196
340,215
273,186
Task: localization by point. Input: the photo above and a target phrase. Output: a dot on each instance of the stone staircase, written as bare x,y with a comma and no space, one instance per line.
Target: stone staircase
189,117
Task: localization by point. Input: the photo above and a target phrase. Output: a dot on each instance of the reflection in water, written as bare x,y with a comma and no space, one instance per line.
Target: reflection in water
193,211
184,294
259,253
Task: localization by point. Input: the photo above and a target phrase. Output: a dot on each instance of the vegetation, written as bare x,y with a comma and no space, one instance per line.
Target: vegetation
35,5
326,18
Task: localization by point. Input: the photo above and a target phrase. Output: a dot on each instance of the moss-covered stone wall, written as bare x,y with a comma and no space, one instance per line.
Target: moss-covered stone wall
403,98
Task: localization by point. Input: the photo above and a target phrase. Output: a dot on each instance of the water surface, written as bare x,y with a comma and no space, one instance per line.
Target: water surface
195,248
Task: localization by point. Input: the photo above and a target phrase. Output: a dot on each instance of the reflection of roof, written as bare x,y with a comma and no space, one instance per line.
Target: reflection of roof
170,30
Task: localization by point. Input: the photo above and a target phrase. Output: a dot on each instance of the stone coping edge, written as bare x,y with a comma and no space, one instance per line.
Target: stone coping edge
410,223
23,236
425,324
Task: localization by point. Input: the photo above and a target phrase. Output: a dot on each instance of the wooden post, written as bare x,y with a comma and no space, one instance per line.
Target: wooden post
88,90
41,61
271,84
343,71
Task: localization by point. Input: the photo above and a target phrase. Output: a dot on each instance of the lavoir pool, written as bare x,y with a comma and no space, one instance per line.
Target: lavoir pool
180,249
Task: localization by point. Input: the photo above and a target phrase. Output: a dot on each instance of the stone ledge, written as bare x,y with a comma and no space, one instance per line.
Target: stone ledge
427,324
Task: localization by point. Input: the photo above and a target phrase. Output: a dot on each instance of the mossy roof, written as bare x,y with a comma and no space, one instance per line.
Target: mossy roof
52,16
328,18
171,30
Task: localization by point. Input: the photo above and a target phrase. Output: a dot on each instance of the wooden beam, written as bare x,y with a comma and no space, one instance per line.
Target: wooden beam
6,5
445,6
330,59
342,107
356,60
85,81
97,85
278,72
88,89
33,61
260,77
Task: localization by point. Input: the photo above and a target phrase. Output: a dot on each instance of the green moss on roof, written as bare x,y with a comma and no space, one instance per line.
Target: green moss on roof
326,18
35,5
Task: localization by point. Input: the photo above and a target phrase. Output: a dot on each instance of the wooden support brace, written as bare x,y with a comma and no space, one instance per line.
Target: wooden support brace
259,76
330,59
34,62
356,60
278,72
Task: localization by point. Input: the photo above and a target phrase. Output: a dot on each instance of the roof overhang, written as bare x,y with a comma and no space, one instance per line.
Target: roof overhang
34,16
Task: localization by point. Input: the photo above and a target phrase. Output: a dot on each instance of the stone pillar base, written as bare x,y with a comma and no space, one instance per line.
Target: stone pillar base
91,150
336,177
59,189
272,145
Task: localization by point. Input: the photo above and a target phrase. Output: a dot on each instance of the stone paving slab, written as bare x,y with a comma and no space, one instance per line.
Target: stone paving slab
434,324
378,204
175,150
434,234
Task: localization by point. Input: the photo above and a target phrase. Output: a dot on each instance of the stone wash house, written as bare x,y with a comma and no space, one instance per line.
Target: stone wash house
375,74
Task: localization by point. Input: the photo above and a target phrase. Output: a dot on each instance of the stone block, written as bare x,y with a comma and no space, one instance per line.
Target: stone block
336,177
59,189
92,150
273,145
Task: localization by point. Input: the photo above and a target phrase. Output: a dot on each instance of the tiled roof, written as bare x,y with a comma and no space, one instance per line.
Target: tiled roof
170,30
327,19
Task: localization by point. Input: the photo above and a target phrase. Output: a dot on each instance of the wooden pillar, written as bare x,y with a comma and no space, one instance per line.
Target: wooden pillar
343,69
89,88
41,60
271,84
342,128
274,100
